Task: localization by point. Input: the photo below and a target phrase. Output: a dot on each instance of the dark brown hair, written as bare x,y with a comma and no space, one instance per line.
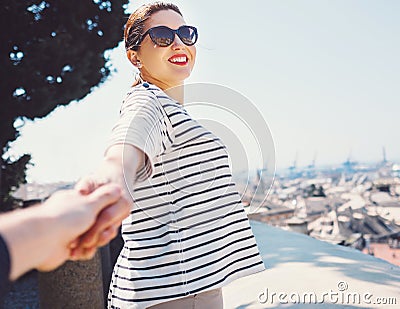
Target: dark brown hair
135,24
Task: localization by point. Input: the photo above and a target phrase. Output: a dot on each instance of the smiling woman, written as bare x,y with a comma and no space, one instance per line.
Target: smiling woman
148,31
187,234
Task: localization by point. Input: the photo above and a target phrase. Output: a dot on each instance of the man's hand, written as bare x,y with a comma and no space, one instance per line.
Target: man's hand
106,226
41,236
74,214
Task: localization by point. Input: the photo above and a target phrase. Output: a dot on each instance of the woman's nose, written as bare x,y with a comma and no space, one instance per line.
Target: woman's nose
177,43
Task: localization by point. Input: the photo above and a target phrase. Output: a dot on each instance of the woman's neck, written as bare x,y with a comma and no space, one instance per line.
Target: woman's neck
176,92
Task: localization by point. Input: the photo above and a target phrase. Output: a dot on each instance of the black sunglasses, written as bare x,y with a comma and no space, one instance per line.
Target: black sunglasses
164,36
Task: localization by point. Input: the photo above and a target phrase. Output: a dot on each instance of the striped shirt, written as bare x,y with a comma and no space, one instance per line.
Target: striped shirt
187,232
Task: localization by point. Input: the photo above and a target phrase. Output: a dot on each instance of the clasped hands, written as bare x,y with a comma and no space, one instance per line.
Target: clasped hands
93,212
113,206
81,220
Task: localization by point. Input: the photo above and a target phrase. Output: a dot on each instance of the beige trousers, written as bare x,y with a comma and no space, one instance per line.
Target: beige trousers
205,300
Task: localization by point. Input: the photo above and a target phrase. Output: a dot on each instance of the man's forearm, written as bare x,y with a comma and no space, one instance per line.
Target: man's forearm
29,236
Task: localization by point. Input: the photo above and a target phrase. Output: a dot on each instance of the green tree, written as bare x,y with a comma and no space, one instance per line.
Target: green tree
51,53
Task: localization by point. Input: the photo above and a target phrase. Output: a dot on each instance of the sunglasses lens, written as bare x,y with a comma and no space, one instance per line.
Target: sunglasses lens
162,36
188,35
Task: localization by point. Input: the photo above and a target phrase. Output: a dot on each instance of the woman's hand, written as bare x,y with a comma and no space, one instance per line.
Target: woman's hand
119,166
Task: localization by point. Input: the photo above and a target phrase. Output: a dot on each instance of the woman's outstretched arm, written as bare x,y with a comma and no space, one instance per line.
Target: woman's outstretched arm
120,165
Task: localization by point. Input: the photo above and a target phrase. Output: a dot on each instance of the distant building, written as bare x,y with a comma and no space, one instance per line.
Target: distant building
272,214
316,206
298,225
31,193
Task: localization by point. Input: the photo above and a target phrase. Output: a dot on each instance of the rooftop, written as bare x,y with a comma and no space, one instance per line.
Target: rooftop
298,264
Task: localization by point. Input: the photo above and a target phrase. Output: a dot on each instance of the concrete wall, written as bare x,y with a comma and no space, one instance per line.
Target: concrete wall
73,285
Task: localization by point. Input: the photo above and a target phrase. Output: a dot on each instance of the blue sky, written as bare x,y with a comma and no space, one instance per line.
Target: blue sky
324,74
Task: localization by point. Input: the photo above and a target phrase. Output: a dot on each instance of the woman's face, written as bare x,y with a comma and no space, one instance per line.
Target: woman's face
158,65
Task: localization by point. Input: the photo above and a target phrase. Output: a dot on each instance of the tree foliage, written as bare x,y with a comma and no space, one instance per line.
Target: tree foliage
51,53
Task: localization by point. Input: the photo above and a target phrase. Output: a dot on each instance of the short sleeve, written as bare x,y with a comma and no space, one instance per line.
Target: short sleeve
144,124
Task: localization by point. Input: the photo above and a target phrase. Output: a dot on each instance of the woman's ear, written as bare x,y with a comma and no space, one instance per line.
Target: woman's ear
132,56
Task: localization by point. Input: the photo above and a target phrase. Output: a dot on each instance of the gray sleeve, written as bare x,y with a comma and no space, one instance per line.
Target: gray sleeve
144,124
